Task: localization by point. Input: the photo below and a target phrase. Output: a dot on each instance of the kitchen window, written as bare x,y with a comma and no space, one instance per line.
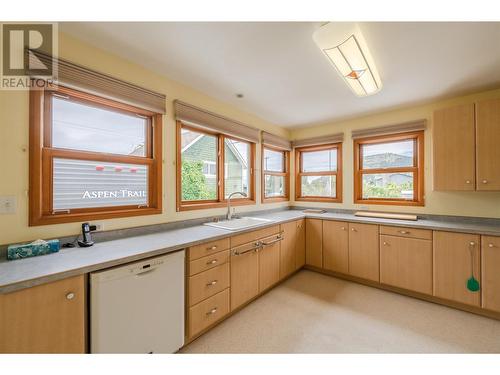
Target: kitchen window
92,158
319,173
275,174
388,169
210,167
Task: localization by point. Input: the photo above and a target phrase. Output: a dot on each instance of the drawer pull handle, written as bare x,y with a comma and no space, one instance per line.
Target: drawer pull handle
211,283
467,181
472,243
353,229
70,295
213,261
343,228
255,248
485,181
278,239
491,245
404,231
213,311
385,243
212,248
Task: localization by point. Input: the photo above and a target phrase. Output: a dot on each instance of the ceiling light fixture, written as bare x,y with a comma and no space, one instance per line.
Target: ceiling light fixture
344,45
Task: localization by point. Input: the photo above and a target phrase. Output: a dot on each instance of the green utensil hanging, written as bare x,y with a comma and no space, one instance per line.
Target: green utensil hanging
472,283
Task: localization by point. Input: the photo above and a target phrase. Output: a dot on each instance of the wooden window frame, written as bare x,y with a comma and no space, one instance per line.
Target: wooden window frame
286,174
417,169
338,173
42,154
220,201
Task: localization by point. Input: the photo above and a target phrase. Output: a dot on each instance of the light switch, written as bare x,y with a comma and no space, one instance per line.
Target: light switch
8,204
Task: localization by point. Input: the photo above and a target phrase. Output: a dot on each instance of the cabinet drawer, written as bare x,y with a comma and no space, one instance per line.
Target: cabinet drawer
208,262
208,312
423,234
208,283
208,248
255,235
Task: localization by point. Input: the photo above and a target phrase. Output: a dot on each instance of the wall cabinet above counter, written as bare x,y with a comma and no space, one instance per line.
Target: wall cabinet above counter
466,152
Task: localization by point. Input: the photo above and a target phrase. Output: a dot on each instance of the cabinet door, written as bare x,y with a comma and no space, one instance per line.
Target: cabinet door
336,246
490,275
406,263
300,244
48,318
314,242
453,266
454,148
244,277
269,262
488,144
287,251
364,251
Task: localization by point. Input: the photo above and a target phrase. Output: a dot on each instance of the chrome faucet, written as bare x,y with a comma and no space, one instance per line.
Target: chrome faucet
229,215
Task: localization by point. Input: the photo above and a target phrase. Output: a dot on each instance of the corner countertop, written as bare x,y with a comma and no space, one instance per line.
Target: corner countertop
25,273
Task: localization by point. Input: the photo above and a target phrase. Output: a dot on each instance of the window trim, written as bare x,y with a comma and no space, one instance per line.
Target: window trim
41,155
220,201
286,174
417,169
299,174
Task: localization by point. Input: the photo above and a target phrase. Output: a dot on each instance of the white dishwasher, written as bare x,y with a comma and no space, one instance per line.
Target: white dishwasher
139,307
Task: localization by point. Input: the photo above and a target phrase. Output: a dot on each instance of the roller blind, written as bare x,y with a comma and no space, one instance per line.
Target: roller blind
406,127
203,119
272,140
317,141
90,81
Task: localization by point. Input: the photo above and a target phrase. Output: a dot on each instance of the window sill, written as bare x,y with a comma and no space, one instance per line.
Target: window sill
319,199
275,199
208,205
389,202
87,216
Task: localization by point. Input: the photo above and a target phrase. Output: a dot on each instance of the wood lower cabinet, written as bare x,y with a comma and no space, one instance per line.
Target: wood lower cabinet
336,246
364,251
456,256
406,263
454,148
244,274
208,312
314,242
487,144
269,262
288,248
300,244
490,272
48,318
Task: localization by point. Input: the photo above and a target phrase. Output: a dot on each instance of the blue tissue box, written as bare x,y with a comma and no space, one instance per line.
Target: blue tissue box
32,249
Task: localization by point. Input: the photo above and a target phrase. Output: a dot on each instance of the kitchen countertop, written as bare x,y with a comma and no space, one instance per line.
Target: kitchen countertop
19,274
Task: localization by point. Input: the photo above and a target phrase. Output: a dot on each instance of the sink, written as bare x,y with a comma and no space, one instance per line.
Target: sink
241,223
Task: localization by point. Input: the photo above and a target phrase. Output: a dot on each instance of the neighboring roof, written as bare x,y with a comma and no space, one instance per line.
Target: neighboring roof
189,139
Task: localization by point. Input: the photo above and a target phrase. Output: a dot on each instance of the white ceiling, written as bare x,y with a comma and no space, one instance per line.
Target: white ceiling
283,75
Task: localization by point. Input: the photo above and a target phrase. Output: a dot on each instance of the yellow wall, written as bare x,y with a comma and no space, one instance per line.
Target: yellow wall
14,144
481,204
14,155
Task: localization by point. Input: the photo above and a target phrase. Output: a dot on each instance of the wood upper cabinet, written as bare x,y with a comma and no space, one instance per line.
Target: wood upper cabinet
364,251
454,148
314,242
336,246
48,318
456,256
406,263
488,144
287,251
300,244
490,272
269,262
244,274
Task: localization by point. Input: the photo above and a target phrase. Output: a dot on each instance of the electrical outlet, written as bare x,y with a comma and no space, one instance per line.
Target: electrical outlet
98,227
8,204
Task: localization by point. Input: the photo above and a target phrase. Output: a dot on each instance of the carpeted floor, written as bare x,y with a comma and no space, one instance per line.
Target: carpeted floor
314,313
